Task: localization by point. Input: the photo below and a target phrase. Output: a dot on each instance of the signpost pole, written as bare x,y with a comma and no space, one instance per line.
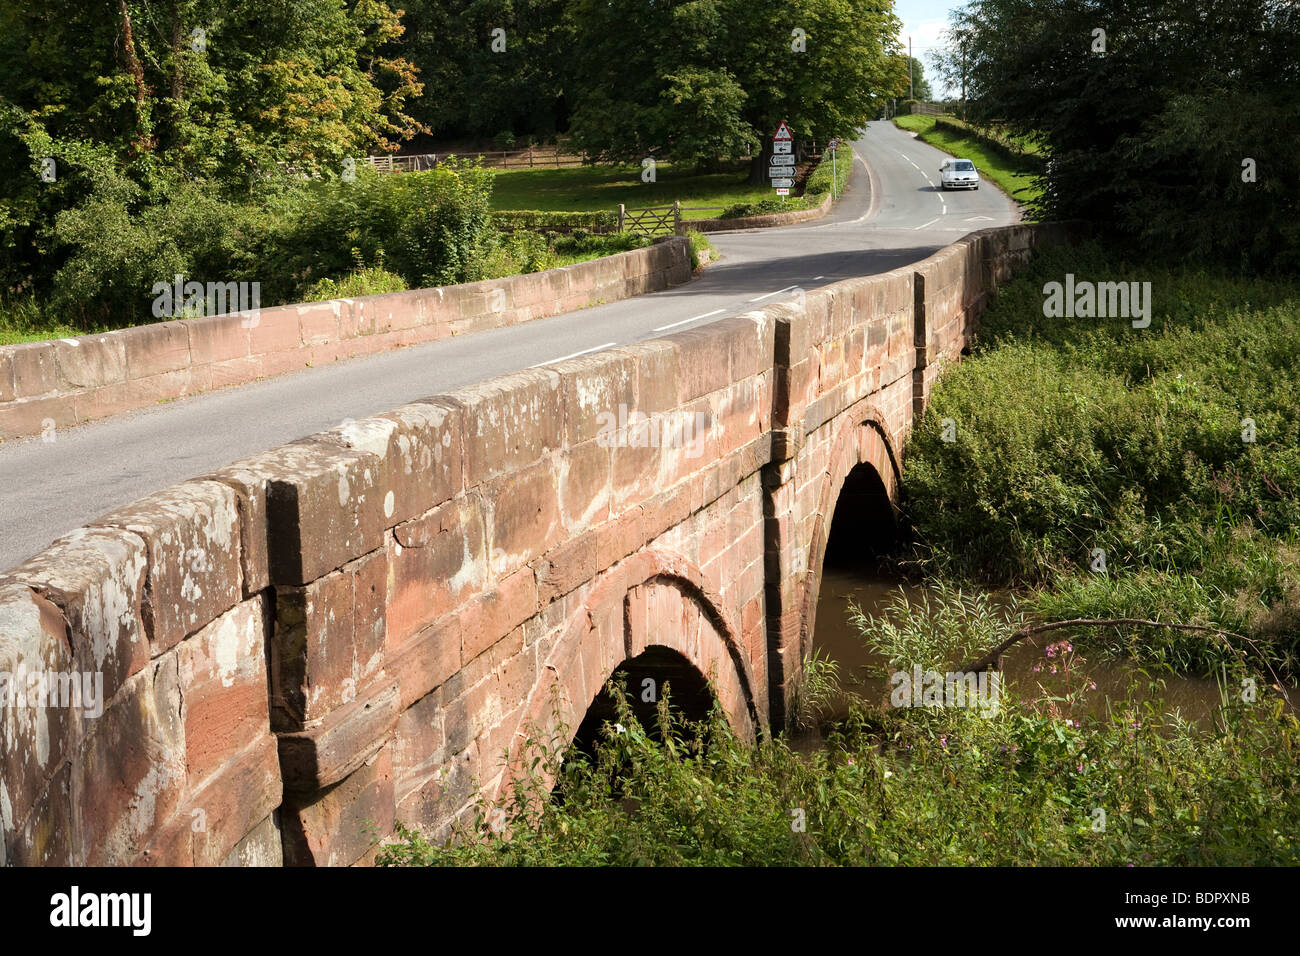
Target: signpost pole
782,170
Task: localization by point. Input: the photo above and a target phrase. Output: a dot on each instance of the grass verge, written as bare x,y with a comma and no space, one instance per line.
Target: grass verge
1013,170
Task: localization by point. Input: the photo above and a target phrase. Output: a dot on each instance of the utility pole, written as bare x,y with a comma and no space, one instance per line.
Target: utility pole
963,78
911,92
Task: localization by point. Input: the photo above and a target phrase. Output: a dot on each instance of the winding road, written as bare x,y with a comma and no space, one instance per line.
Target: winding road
894,213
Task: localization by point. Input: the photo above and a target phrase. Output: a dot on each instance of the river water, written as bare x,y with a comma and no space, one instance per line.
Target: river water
1027,669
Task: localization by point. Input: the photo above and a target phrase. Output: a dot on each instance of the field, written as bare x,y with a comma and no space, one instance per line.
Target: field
602,188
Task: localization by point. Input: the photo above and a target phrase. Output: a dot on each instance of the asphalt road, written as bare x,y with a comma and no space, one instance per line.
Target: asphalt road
892,214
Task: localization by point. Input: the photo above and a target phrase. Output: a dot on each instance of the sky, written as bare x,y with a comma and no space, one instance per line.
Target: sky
924,20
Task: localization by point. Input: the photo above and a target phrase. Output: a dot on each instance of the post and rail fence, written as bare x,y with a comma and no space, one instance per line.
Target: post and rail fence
530,158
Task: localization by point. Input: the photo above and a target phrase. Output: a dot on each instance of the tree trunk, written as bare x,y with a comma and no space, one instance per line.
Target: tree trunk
143,141
762,159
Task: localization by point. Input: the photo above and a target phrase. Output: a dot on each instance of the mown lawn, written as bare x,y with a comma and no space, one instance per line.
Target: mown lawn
1012,171
602,188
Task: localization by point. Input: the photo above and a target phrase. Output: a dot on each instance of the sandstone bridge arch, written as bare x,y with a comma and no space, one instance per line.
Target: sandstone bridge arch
652,602
356,629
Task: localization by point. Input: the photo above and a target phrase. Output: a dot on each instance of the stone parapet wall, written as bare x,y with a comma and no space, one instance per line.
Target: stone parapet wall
69,382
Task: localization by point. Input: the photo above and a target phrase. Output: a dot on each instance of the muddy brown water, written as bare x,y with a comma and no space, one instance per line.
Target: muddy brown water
1028,671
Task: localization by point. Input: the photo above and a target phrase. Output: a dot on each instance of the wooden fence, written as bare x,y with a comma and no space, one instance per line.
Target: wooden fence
658,220
531,158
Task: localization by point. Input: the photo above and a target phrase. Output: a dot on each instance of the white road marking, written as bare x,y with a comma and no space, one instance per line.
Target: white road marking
594,348
930,223
777,292
815,278
674,325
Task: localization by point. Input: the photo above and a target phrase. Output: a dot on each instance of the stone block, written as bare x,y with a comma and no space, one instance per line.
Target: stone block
191,536
343,824
313,759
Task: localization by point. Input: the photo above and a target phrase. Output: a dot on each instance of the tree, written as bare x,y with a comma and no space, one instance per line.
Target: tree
704,79
1171,122
132,99
918,84
481,82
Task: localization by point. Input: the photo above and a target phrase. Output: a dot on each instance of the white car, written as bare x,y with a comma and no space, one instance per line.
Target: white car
959,174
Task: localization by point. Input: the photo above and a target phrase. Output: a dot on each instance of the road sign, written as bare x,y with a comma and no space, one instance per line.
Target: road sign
782,147
782,160
833,144
783,183
783,134
779,172
783,192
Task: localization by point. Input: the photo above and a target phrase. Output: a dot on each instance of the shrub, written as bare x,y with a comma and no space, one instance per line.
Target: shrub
821,180
763,207
699,243
119,243
362,281
1073,435
539,221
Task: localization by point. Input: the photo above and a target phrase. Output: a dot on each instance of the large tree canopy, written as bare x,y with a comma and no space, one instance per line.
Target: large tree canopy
480,81
1174,122
136,101
693,80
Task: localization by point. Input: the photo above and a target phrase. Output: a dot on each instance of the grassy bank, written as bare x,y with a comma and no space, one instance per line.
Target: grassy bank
1011,166
1174,450
602,188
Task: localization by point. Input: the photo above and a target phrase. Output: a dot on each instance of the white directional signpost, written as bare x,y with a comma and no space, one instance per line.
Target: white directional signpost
781,172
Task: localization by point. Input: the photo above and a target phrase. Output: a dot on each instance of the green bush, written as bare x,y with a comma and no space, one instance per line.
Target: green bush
517,253
541,221
432,227
700,242
764,207
1071,435
581,243
362,281
822,178
118,243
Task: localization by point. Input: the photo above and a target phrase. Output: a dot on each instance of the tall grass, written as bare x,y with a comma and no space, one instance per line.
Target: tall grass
1080,435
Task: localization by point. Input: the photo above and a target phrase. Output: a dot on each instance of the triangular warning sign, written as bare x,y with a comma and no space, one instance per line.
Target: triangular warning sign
782,134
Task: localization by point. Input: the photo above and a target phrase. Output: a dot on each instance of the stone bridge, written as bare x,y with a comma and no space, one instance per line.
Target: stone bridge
362,627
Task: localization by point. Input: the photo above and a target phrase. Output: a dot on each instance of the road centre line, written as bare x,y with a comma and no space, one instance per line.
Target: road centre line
777,292
674,325
594,348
